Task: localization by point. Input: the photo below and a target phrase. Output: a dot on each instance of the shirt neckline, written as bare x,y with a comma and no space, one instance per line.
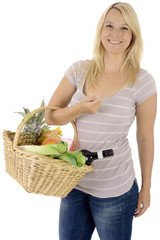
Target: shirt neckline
104,98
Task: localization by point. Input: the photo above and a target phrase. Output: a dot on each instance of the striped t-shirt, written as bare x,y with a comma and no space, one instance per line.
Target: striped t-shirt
108,129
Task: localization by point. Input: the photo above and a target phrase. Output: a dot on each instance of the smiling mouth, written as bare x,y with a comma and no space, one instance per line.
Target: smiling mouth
114,42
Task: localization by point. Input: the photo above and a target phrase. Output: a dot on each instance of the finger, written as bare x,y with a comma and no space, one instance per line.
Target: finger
101,95
139,207
96,102
90,99
141,212
138,212
99,98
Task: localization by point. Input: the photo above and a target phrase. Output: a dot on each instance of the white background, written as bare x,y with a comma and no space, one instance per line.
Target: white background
39,40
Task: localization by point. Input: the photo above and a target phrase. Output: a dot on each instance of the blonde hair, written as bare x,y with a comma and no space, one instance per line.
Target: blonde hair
133,54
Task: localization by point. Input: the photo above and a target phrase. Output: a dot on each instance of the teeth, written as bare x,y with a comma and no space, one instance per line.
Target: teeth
114,42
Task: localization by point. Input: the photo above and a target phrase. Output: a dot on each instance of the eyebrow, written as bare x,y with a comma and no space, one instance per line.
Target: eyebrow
123,24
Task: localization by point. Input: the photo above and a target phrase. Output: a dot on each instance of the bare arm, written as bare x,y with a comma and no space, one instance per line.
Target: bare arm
62,97
146,114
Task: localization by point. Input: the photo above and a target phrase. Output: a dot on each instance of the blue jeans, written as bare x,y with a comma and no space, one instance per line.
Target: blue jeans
81,213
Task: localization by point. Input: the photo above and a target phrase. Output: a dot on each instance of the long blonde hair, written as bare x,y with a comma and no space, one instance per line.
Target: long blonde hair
133,54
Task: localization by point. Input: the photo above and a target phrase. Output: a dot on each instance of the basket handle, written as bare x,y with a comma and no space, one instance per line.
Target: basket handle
29,115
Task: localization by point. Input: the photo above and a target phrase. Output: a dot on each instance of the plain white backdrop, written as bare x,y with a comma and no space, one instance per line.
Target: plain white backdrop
39,40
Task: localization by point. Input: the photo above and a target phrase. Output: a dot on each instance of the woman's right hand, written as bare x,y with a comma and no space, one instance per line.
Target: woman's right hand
62,98
90,105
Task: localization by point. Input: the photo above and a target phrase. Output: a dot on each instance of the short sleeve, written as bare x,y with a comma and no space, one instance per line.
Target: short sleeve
145,87
75,72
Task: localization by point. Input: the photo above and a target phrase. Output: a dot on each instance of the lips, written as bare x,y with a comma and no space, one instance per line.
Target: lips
114,42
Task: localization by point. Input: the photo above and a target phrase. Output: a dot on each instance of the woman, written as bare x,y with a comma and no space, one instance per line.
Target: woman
105,95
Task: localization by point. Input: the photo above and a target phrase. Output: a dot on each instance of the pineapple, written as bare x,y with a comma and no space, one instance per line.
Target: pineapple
33,127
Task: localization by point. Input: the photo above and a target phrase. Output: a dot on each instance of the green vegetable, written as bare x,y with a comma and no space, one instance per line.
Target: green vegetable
76,158
80,158
68,158
62,147
52,149
58,150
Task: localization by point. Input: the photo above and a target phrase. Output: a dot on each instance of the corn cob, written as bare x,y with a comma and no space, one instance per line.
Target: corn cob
52,149
68,158
80,158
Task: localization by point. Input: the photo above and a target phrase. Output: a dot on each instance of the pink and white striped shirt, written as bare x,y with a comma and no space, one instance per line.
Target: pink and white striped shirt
108,129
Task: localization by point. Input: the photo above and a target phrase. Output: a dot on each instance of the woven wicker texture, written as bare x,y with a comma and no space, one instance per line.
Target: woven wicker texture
37,173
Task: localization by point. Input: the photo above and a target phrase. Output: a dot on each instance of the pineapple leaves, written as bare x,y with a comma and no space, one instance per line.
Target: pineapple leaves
41,114
22,114
43,103
35,124
26,111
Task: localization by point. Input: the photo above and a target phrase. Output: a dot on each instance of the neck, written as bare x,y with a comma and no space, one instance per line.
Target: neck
112,63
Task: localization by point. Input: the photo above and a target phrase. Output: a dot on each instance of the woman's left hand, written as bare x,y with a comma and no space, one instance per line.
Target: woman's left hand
143,202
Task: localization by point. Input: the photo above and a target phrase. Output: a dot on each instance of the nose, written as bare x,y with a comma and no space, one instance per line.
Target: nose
116,33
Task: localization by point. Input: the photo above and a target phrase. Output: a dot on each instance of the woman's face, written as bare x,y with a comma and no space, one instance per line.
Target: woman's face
116,34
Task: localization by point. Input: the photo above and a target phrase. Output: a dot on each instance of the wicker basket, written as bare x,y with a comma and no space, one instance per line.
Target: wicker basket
37,173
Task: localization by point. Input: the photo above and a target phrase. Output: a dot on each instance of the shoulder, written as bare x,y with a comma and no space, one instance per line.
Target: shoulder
145,86
76,71
144,75
144,78
78,65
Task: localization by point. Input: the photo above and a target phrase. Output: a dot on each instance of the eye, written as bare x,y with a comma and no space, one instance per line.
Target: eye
125,28
109,26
